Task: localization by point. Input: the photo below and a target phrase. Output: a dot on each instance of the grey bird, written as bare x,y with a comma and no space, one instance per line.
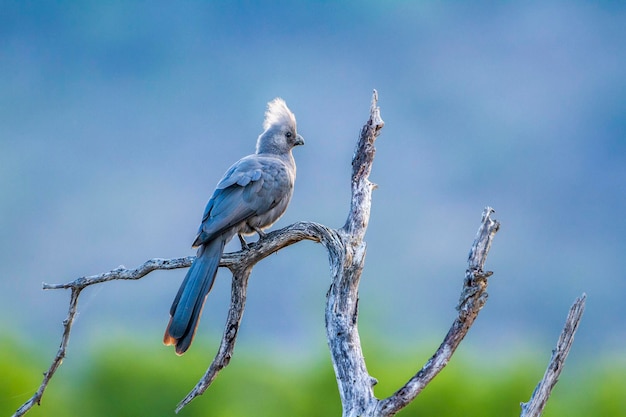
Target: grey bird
251,196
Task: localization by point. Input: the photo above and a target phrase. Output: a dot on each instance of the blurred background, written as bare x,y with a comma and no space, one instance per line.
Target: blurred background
117,119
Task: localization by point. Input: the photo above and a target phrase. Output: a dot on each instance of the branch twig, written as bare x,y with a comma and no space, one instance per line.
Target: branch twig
122,273
76,287
58,359
534,407
239,290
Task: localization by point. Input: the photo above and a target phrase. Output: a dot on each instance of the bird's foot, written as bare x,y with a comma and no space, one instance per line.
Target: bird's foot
244,244
260,232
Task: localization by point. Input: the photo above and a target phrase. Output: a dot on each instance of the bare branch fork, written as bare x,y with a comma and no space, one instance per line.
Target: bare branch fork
346,249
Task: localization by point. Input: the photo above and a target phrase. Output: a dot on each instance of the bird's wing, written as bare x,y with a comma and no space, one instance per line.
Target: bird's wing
243,172
251,187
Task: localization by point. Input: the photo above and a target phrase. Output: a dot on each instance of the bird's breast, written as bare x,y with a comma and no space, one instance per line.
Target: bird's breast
267,219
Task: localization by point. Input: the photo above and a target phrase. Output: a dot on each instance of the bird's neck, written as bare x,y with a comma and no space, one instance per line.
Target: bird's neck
286,157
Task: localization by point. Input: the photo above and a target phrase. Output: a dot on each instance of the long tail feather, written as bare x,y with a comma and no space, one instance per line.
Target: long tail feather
187,306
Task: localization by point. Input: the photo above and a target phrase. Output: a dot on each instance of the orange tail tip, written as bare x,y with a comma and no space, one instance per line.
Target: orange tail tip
167,339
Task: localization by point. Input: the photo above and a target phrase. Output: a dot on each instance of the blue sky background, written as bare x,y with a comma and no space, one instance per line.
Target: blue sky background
118,118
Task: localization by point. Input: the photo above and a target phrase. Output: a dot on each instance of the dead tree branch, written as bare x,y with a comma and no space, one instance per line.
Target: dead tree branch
76,287
346,250
237,262
58,359
534,407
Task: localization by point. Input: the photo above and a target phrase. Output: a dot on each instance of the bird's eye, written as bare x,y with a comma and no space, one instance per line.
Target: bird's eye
288,134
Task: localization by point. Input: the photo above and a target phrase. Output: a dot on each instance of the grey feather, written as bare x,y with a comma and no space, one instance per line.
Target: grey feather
253,194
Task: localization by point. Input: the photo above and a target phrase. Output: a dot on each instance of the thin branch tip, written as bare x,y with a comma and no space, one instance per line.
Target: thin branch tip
374,102
375,120
539,398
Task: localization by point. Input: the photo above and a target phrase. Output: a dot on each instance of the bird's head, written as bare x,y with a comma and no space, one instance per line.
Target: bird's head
280,134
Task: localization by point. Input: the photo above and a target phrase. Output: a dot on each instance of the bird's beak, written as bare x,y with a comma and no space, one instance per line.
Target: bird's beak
299,140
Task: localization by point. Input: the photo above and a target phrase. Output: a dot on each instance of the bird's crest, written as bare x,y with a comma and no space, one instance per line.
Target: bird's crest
278,114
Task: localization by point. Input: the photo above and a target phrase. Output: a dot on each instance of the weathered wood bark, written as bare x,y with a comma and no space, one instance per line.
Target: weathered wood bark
346,250
347,258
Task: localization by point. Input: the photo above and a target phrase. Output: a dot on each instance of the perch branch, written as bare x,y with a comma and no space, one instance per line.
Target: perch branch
122,273
534,407
472,300
272,242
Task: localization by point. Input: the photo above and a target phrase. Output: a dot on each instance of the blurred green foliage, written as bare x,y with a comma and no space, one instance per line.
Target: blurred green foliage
147,380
